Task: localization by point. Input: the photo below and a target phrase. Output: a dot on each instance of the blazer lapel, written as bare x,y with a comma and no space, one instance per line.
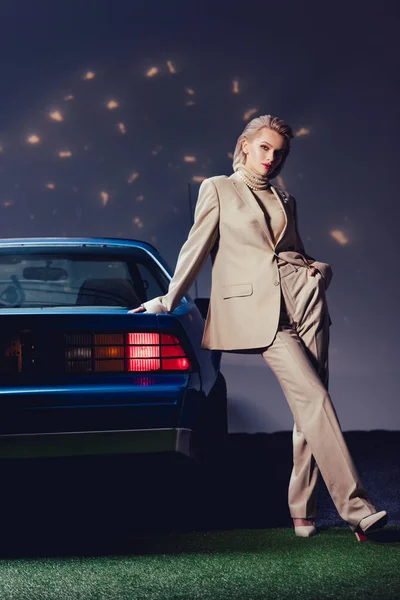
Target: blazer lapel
251,201
284,212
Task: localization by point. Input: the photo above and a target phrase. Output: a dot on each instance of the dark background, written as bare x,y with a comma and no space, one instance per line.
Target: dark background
330,70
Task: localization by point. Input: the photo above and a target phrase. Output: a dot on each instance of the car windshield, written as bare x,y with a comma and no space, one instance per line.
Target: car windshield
38,278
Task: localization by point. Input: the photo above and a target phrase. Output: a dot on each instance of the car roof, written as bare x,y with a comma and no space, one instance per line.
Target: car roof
72,241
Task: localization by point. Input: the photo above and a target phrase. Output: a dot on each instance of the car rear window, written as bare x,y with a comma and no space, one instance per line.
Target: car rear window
37,278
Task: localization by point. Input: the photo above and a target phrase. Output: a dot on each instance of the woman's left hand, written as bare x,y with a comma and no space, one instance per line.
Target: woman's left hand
313,271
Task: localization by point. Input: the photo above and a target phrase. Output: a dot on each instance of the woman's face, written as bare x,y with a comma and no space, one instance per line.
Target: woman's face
265,151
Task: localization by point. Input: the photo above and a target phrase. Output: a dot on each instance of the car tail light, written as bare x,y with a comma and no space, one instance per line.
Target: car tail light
125,352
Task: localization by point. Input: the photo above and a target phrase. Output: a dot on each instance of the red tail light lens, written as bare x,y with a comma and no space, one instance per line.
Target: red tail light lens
129,352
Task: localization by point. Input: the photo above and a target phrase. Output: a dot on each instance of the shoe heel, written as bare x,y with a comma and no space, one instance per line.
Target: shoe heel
361,537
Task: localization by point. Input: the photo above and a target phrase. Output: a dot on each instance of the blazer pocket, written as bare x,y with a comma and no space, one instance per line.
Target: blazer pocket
238,289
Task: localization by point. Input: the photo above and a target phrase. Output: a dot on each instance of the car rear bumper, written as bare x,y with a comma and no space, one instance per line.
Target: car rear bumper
84,443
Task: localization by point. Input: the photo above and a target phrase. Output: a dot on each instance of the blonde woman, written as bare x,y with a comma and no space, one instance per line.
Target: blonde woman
268,296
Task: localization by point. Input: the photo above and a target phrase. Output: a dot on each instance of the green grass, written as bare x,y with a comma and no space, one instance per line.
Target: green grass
255,564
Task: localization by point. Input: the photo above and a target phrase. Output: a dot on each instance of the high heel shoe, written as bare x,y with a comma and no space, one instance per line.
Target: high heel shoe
370,523
305,530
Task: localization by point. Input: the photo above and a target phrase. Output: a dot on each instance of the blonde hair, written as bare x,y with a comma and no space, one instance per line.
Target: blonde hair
251,130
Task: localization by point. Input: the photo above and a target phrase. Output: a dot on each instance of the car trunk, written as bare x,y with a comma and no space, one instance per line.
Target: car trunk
64,370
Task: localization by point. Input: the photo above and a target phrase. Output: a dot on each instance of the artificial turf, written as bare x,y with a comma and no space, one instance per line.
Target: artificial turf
251,563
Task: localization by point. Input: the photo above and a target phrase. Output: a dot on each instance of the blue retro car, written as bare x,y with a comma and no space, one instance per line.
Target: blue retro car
81,376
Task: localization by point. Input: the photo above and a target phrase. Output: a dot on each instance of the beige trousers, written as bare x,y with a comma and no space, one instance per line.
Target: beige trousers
299,358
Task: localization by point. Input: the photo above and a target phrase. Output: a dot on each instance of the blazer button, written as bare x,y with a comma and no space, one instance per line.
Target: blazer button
276,282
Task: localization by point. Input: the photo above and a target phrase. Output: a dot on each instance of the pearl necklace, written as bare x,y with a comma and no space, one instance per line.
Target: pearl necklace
254,182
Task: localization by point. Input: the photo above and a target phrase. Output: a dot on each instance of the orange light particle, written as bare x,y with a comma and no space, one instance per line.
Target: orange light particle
56,115
105,197
152,72
133,176
33,139
302,131
112,104
89,75
138,222
171,67
249,113
340,237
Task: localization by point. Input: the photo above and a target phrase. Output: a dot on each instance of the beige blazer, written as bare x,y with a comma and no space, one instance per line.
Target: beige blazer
230,226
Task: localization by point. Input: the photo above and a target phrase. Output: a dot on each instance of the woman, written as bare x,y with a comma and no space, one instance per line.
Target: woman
268,296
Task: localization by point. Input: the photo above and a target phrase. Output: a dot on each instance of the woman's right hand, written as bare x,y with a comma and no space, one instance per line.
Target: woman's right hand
137,310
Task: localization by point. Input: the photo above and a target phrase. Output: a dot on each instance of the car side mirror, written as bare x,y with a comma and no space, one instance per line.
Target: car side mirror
202,304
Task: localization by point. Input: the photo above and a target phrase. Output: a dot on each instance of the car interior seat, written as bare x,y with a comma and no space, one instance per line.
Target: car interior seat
108,292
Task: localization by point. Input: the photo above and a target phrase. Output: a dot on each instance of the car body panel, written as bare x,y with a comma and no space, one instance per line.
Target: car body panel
49,414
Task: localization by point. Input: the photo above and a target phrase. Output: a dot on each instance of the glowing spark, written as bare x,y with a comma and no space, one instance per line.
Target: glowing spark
140,198
33,139
156,150
105,197
65,153
190,103
55,115
121,127
152,72
133,176
198,178
235,86
230,155
249,113
302,131
171,67
8,203
190,91
68,98
50,186
340,237
89,75
189,159
138,222
112,104
32,216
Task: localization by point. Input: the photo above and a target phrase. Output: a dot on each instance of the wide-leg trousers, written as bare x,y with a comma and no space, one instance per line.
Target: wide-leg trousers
299,358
